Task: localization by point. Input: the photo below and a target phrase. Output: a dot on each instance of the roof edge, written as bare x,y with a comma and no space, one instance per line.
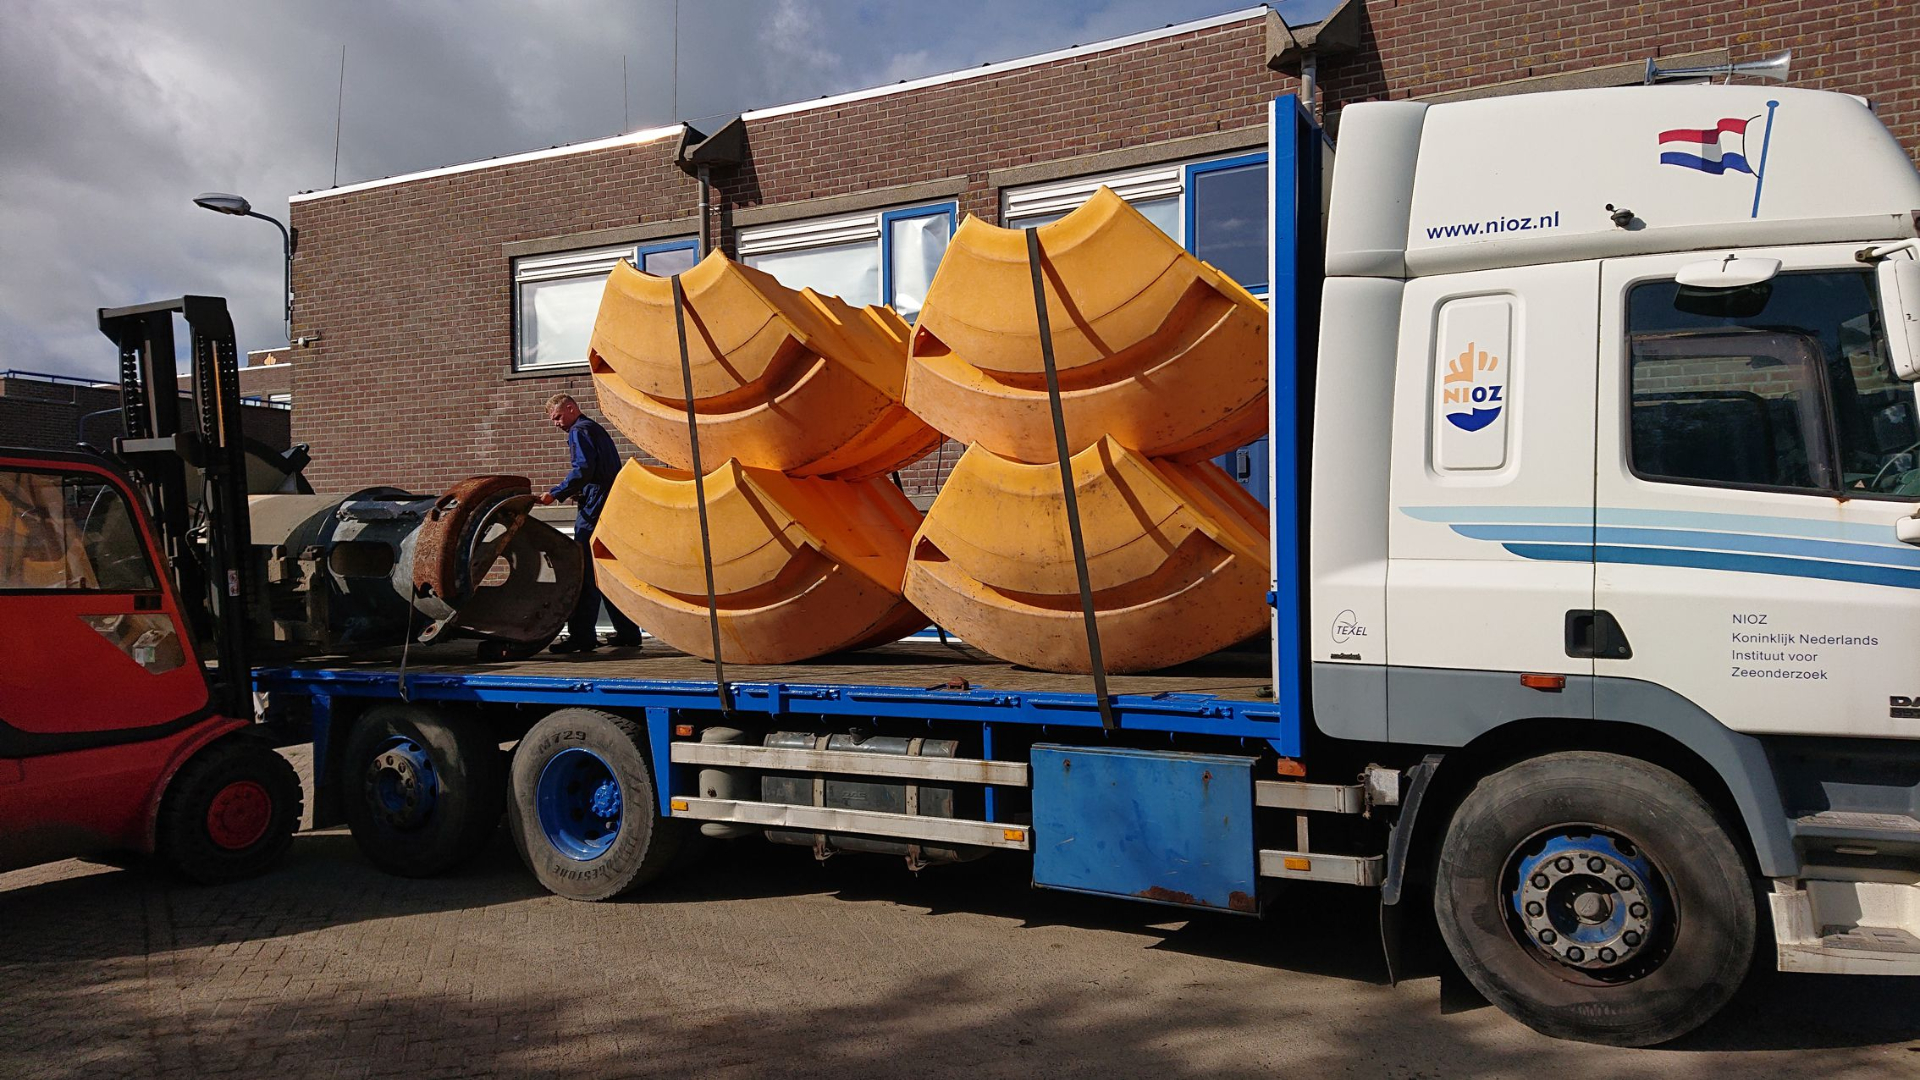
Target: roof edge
632,138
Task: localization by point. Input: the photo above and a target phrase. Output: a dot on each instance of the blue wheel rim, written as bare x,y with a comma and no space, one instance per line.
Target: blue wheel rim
580,804
401,785
1590,903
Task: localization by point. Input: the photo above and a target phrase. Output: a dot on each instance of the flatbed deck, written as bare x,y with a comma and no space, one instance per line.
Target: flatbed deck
1228,693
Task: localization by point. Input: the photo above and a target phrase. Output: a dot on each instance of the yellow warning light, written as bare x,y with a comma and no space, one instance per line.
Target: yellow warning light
677,805
1296,863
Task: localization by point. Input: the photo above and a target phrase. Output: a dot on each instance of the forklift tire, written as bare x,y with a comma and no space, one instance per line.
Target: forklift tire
584,812
422,790
230,812
1596,897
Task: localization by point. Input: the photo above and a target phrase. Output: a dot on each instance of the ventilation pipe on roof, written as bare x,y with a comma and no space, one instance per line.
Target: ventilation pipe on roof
699,153
1296,50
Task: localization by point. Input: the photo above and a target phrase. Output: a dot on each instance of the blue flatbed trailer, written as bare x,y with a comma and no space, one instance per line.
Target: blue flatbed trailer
1168,745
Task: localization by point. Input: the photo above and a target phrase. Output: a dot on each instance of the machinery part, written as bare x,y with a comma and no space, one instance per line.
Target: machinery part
230,812
583,810
1176,559
422,788
801,568
792,381
382,566
841,794
1596,897
1155,348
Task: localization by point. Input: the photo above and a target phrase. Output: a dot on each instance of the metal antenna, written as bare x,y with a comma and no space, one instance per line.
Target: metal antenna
676,59
625,121
339,100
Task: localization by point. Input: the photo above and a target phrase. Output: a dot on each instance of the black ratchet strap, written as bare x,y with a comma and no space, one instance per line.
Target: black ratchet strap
700,494
1099,664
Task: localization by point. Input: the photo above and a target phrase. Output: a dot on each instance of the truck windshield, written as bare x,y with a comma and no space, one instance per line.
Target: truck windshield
68,532
1782,386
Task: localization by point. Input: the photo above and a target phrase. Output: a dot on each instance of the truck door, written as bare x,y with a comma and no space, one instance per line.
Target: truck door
1490,537
1755,454
91,650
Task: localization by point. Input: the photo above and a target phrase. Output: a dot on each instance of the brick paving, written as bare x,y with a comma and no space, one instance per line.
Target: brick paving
756,962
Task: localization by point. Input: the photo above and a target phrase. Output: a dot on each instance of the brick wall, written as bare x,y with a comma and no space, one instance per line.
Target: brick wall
411,292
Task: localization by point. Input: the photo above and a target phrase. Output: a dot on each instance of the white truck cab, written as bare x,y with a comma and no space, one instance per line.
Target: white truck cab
1613,448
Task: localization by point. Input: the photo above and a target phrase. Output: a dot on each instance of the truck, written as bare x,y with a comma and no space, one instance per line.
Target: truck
1594,481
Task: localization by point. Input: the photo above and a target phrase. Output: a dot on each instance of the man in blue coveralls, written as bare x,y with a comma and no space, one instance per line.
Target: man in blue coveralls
595,463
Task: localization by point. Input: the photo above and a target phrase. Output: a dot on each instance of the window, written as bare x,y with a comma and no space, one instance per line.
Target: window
1215,208
555,297
68,532
1783,385
873,257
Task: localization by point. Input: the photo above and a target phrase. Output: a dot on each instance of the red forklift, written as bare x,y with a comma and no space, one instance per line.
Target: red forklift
126,699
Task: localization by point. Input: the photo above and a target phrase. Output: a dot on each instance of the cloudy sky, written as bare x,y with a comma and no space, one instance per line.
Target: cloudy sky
115,113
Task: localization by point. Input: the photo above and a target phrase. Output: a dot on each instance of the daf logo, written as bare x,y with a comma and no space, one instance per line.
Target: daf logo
1346,626
1903,708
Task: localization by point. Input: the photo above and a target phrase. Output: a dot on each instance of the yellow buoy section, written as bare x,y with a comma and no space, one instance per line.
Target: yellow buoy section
1176,558
1154,347
794,381
801,568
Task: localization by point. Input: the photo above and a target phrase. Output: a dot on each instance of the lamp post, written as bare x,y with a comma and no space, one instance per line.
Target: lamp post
222,203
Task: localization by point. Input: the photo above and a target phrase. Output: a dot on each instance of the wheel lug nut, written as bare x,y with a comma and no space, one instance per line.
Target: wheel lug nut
1540,881
1624,882
1606,955
1576,954
1638,910
1631,937
1597,864
1534,908
1548,937
1563,864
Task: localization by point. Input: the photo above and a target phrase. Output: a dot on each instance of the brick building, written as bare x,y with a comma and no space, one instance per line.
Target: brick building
449,304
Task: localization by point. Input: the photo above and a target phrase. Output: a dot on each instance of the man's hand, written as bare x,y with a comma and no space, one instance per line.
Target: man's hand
546,498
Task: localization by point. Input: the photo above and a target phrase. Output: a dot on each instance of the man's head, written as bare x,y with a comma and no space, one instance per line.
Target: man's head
562,410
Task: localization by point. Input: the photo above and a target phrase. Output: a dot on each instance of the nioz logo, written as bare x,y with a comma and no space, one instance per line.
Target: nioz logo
1473,391
1346,627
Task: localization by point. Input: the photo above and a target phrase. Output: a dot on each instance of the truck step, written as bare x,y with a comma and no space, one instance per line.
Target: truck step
854,763
1859,826
1322,798
1861,950
1310,866
857,822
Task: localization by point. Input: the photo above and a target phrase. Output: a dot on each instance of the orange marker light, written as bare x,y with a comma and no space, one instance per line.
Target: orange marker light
683,730
1296,863
1015,835
677,805
1552,683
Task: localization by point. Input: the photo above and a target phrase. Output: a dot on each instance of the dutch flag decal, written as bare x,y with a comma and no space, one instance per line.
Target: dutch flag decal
1721,149
1718,149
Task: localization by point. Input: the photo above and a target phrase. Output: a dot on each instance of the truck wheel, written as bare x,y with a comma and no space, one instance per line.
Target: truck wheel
584,813
422,791
230,812
1596,897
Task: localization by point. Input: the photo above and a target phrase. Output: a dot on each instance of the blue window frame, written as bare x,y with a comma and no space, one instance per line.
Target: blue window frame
912,243
666,258
1225,221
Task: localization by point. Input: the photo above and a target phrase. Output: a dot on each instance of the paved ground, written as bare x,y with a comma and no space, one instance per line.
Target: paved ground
748,965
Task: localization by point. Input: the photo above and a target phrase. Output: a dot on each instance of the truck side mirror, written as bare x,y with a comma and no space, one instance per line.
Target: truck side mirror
1899,281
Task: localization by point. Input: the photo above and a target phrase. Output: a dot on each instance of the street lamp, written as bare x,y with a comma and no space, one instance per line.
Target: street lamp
222,203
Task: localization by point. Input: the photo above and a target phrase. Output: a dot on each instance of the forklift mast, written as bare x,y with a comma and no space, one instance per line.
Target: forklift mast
171,452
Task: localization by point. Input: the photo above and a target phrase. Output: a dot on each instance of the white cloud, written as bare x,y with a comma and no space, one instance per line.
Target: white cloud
114,114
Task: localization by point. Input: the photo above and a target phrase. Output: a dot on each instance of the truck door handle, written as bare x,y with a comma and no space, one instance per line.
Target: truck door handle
1908,530
1594,635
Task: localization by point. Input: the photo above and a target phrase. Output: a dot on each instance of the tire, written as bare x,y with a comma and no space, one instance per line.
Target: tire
573,767
423,791
230,812
1641,952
